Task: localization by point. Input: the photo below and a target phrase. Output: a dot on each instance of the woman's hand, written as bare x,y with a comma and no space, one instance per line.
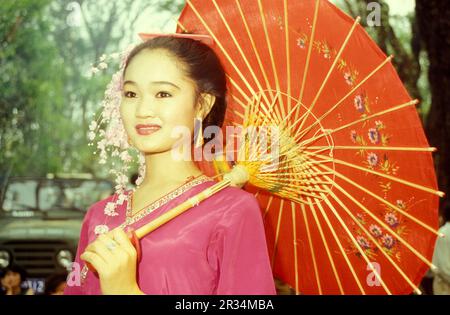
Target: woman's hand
6,284
114,258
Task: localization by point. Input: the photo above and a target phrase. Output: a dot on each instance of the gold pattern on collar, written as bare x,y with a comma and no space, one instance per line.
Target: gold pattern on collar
130,219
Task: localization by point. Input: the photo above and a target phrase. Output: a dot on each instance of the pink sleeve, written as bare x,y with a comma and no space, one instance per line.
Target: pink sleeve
239,250
73,286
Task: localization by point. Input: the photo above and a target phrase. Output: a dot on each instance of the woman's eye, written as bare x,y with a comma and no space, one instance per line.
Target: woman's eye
163,94
129,94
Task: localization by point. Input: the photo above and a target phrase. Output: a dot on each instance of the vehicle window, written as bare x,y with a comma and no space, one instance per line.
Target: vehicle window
49,196
55,194
20,195
81,195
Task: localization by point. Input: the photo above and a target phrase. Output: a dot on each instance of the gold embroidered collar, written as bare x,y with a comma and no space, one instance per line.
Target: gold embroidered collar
131,219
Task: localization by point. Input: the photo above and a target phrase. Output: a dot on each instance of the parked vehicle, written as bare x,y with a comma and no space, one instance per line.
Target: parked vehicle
40,221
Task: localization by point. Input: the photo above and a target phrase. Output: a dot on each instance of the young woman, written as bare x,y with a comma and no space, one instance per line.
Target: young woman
216,247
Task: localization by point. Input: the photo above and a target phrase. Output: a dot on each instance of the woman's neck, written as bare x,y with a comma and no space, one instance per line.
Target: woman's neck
163,170
162,175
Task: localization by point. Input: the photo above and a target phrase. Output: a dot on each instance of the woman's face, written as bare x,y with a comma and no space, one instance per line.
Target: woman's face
156,91
11,279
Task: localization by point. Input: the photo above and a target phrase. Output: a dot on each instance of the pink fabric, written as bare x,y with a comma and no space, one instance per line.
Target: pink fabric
217,247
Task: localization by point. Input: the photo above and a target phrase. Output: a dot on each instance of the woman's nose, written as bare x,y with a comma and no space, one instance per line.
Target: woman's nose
145,107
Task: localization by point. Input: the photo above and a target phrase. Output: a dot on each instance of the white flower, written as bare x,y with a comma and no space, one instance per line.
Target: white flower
101,145
110,209
372,159
375,230
91,135
363,242
401,204
353,136
103,65
139,180
125,156
374,135
301,42
94,70
103,57
121,179
101,229
391,219
388,241
141,170
121,199
348,78
359,103
93,125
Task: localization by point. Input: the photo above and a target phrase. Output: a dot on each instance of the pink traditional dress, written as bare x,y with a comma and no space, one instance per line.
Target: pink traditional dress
216,247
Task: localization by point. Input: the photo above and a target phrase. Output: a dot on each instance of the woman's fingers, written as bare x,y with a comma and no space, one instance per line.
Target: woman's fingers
119,251
95,260
103,246
121,237
113,248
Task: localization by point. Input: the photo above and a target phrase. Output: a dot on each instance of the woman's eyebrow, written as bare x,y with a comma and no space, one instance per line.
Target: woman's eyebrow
167,83
155,82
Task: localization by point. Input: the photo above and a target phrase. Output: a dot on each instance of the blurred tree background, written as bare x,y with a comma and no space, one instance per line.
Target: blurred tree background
48,98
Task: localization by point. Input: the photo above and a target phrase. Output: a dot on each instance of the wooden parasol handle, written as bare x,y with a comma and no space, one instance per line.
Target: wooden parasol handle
186,205
136,235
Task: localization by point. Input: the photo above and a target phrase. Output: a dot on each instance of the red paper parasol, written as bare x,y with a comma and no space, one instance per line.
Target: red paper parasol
352,205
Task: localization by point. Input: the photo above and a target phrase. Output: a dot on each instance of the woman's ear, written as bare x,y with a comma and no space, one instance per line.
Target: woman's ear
206,102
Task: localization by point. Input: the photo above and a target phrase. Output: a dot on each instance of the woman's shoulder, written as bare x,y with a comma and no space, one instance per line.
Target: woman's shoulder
233,194
237,195
234,199
235,208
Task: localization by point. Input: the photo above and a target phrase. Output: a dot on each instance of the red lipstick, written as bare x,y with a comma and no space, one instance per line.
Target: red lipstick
147,129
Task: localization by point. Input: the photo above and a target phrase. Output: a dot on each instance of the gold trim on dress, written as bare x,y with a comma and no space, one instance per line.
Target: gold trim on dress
130,219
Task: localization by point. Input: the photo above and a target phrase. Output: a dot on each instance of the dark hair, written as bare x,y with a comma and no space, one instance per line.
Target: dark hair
16,269
53,281
446,211
202,65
